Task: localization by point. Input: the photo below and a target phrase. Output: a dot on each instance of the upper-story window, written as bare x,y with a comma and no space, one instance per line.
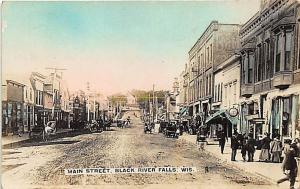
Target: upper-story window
250,68
288,49
39,97
244,68
205,57
211,53
26,93
199,64
267,60
221,92
215,94
218,92
277,52
208,55
259,67
30,94
247,67
201,88
202,61
283,49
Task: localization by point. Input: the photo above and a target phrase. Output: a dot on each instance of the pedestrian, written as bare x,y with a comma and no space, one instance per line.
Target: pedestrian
289,166
297,141
222,140
244,146
276,149
234,145
286,145
250,146
181,128
265,148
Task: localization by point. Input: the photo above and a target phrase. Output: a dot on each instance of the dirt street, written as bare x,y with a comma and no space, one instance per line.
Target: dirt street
41,165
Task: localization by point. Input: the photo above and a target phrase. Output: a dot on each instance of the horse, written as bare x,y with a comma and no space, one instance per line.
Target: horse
50,129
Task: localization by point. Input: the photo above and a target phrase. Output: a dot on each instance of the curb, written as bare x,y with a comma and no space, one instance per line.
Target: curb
18,143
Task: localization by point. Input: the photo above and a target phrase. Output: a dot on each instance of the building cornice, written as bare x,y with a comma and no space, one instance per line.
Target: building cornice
212,27
264,17
15,83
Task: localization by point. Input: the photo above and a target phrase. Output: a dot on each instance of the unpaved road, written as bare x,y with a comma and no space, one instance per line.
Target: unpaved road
40,165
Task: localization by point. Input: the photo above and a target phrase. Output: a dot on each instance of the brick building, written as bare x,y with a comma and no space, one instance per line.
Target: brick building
216,44
12,107
270,70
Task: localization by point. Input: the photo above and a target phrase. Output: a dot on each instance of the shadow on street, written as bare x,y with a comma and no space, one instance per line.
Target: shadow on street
49,143
9,167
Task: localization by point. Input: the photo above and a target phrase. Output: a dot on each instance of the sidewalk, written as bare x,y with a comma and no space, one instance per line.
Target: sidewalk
12,139
270,171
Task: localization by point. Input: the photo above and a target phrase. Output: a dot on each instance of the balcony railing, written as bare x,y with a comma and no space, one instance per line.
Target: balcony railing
247,90
282,79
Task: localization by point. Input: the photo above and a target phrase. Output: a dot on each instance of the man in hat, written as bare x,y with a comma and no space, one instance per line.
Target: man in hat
289,165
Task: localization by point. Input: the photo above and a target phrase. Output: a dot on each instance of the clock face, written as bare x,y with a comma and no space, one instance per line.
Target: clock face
233,112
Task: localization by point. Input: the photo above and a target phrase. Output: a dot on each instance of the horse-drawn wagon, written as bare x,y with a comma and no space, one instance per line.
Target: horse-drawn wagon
172,130
43,131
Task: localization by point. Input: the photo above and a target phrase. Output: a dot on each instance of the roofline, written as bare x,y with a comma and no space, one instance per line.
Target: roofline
228,62
39,75
249,21
15,82
208,27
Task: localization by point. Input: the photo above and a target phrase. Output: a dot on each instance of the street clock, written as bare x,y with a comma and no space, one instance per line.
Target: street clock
233,112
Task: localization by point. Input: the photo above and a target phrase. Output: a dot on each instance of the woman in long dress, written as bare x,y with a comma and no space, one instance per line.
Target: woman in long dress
275,150
265,147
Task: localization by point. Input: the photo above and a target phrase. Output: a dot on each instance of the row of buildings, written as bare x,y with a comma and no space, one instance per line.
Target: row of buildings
247,77
36,99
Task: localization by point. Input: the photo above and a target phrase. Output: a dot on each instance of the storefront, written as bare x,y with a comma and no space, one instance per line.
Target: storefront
223,120
276,112
284,116
65,119
12,117
28,119
38,115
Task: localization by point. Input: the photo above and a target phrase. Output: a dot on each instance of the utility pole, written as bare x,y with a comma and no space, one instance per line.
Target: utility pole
150,108
88,101
153,104
94,106
156,108
55,69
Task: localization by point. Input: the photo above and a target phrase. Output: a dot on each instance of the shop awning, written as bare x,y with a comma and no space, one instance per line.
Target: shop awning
233,120
182,111
215,117
219,116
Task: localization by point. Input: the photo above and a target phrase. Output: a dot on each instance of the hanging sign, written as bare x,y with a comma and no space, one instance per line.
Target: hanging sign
233,112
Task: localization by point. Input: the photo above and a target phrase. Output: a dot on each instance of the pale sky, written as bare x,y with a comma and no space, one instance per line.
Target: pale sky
116,46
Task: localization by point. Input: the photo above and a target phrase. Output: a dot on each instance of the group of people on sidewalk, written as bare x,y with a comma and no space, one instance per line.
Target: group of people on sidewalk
238,141
272,150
